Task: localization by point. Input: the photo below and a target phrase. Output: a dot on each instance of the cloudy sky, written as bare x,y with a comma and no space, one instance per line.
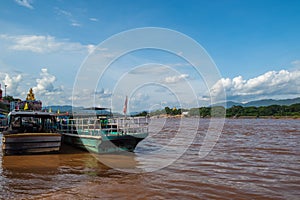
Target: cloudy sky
56,48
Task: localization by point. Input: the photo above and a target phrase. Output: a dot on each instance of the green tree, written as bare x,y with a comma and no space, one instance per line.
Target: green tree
168,110
194,112
235,111
204,111
218,111
250,111
141,114
8,98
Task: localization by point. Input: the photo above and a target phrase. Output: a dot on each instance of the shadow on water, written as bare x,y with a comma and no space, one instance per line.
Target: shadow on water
23,176
68,158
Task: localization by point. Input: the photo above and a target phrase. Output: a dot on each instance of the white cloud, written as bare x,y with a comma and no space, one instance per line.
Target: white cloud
138,101
93,19
76,24
91,48
34,43
45,90
182,64
45,83
42,44
150,69
269,85
103,93
12,82
69,16
63,12
25,3
296,63
175,79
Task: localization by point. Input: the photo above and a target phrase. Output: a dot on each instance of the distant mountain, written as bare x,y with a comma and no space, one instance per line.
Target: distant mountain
62,109
70,109
229,104
263,102
268,102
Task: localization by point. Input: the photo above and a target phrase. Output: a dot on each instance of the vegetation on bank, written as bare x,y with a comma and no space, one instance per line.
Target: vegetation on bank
234,111
10,98
273,110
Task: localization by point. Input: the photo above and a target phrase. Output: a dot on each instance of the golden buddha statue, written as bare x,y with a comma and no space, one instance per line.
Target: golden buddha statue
30,96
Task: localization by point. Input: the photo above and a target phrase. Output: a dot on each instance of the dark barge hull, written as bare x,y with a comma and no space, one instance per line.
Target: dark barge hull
30,143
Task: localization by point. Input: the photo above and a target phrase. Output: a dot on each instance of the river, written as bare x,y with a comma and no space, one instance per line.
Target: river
252,159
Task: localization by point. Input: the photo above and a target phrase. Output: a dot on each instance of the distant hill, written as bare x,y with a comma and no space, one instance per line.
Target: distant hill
70,109
62,109
263,102
229,104
268,102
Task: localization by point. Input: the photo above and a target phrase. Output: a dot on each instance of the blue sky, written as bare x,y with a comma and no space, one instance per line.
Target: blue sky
254,44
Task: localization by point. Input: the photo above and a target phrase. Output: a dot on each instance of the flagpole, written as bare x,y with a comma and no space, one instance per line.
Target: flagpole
125,107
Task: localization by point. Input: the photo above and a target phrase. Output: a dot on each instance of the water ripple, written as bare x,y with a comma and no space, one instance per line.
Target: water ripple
253,159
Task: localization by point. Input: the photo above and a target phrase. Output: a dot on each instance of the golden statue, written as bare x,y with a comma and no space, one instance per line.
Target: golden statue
30,96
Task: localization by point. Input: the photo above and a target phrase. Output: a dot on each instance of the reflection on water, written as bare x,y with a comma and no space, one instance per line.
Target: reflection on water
253,159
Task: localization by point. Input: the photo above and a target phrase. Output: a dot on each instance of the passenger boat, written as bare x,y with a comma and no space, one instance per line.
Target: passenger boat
99,132
30,130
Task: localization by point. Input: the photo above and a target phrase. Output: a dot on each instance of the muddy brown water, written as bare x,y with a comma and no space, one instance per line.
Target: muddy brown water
253,159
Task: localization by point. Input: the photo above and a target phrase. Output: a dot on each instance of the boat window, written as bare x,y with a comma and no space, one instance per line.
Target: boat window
16,122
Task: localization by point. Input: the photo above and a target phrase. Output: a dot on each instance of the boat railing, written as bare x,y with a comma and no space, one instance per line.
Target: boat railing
131,125
96,126
66,126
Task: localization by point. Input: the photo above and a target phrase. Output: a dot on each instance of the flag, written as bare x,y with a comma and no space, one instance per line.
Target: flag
26,106
125,105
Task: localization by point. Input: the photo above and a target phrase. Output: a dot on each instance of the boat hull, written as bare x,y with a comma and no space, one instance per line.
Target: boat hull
104,144
31,143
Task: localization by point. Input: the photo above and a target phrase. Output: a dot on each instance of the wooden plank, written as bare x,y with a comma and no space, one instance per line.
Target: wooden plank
29,145
26,138
30,134
82,136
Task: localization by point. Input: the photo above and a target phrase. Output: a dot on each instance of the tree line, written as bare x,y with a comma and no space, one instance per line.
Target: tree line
272,110
234,111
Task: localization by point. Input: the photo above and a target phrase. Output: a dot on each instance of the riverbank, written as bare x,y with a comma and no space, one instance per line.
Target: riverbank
238,117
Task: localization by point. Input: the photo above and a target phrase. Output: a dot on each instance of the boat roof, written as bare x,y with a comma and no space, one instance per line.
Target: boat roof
30,113
96,108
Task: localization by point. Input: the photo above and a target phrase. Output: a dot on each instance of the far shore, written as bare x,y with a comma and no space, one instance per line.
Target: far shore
239,117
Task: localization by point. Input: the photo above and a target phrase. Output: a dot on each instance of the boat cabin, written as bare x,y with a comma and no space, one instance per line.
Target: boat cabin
31,122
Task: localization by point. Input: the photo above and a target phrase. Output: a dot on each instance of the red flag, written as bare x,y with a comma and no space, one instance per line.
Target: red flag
125,105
